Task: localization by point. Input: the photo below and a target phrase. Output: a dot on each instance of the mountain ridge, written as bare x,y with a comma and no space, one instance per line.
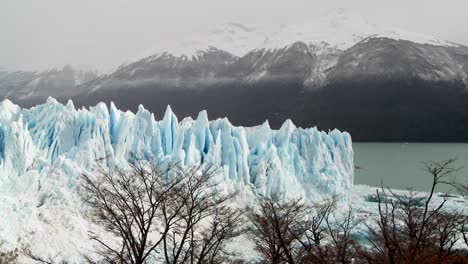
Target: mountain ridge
280,80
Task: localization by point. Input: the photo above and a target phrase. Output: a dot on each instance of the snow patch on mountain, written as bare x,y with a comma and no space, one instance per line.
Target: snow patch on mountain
400,34
234,38
57,81
340,29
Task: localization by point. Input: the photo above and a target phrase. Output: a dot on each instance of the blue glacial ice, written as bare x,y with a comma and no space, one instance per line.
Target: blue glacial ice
44,150
292,161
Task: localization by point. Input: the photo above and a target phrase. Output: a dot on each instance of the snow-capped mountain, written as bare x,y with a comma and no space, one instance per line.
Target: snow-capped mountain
166,69
234,38
233,52
307,52
339,29
383,56
20,85
235,68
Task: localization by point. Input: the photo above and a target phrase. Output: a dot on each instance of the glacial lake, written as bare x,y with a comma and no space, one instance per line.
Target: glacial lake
400,165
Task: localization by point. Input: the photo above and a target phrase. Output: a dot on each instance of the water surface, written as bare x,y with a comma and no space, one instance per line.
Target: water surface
400,165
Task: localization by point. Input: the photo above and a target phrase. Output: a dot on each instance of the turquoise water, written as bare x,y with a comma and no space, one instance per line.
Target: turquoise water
400,165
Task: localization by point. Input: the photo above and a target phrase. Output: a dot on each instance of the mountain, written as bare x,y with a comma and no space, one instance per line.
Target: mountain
168,70
334,71
234,38
29,85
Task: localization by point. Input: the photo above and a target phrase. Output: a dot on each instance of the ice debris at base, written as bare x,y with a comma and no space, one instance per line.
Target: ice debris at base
44,149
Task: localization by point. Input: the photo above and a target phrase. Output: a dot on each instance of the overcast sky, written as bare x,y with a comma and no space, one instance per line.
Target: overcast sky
39,34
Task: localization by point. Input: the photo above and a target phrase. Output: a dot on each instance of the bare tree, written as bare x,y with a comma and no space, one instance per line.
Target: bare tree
327,236
8,256
441,173
26,251
463,189
446,233
464,231
411,229
292,232
156,208
205,223
126,203
275,226
315,231
344,247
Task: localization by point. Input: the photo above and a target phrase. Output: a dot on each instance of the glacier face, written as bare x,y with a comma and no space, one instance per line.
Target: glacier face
290,160
44,149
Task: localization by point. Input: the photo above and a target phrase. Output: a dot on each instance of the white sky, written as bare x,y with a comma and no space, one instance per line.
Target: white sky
40,34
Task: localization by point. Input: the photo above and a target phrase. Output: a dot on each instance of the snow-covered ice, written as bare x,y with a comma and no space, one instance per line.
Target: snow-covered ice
44,150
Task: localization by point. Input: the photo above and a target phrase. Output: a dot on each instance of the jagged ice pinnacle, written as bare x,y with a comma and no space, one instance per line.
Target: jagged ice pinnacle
292,161
45,149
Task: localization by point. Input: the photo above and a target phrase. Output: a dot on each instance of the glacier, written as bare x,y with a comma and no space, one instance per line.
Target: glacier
45,149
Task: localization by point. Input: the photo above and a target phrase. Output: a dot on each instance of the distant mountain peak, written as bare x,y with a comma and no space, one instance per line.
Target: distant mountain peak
339,28
232,37
400,34
233,27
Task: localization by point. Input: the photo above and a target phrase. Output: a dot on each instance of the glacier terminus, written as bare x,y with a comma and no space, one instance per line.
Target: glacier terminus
45,149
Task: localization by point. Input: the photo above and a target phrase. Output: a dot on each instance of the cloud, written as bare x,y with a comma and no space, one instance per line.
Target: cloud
105,33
